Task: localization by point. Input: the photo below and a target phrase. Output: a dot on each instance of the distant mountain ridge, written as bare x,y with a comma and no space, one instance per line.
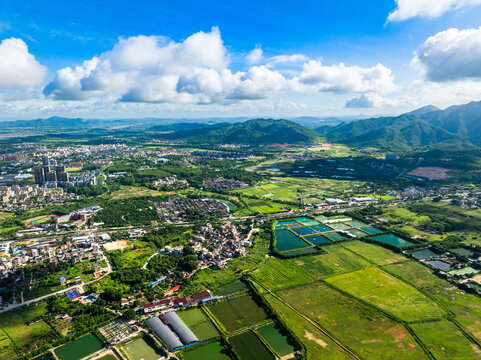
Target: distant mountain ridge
253,132
456,128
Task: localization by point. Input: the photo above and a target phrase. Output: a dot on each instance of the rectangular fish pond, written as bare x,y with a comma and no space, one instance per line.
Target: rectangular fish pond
317,239
371,230
286,240
276,339
304,231
392,240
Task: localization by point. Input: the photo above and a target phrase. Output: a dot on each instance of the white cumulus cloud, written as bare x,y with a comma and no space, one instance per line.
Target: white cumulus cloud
345,79
154,69
450,55
407,9
371,100
17,66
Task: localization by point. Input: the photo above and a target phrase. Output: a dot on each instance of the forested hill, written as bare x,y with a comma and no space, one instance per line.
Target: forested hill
252,132
456,128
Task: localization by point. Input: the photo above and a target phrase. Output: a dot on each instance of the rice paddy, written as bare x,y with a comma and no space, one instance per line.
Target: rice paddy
248,346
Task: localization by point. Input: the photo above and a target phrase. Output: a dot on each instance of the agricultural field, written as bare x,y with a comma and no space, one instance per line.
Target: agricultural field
388,293
141,349
266,206
199,323
25,338
414,273
367,331
317,344
276,274
287,189
234,288
337,260
210,351
248,346
445,341
126,192
237,313
373,253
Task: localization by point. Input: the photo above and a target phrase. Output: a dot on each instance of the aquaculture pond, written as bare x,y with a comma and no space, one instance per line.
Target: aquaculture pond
357,233
303,219
462,252
305,251
286,222
276,339
438,264
423,254
464,271
249,347
335,237
317,239
311,223
80,348
355,223
340,226
214,351
322,228
371,230
286,240
140,349
392,240
304,231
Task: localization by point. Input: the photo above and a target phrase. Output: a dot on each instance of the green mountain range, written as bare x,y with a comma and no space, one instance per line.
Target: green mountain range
456,128
253,132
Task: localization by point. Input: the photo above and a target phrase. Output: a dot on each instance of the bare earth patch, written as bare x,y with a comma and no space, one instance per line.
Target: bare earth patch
116,245
431,173
312,337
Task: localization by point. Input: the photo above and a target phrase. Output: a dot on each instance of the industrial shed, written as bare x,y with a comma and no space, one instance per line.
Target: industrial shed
176,323
163,331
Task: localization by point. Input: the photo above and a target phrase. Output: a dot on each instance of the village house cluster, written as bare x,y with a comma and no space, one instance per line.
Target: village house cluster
77,249
177,208
215,245
223,184
171,182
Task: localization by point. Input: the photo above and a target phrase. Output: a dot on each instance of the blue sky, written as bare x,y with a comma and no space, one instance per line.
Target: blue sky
313,57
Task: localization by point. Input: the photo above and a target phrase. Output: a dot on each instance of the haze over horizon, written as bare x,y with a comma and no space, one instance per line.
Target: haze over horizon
269,59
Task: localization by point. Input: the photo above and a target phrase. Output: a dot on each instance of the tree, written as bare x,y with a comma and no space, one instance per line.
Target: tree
189,263
129,314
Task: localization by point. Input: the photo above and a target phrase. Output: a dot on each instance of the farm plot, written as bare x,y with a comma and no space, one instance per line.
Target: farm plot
445,340
388,293
248,346
370,333
210,351
466,307
238,313
318,345
337,261
415,273
79,348
199,323
277,274
376,254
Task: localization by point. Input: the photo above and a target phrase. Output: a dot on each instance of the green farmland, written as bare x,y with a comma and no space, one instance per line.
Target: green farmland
237,313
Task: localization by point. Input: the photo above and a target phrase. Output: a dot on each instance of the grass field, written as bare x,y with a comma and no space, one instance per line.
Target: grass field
238,313
388,293
248,346
199,323
266,207
14,323
80,348
277,274
365,330
233,288
445,341
337,261
210,351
